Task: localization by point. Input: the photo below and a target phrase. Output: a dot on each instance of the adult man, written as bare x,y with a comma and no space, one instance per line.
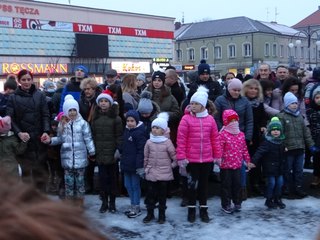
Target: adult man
73,86
265,73
282,74
177,89
205,80
111,78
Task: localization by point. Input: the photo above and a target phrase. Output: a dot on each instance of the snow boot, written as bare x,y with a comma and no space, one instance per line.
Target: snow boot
135,212
104,205
204,214
270,204
279,203
112,203
162,216
192,214
149,217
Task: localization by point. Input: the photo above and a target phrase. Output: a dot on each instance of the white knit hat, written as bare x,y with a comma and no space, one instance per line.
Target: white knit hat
105,94
161,121
69,103
200,96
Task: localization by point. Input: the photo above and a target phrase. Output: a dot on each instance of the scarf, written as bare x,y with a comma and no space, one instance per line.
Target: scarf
274,140
157,139
289,111
254,102
232,128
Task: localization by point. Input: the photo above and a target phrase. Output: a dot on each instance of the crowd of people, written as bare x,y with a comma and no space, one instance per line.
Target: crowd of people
260,130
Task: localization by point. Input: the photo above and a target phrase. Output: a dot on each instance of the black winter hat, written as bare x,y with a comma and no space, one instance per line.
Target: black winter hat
159,74
203,67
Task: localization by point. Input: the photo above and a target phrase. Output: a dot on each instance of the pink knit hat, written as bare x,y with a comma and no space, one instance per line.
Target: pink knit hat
5,124
234,83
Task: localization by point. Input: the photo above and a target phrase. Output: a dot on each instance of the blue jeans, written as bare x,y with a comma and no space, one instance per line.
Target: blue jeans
294,168
243,175
132,184
274,186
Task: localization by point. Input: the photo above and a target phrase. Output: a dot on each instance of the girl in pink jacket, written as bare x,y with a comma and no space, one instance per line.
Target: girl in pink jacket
159,159
198,146
234,151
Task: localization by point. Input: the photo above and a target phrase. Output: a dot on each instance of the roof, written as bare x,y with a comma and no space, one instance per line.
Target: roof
223,27
283,29
311,20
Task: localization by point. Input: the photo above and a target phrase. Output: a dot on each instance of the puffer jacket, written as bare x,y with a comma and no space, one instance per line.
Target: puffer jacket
132,149
297,134
159,159
198,138
76,141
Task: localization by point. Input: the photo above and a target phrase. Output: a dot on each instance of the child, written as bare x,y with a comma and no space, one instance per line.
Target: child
159,159
313,114
271,154
234,151
131,163
75,136
297,136
10,146
198,145
107,133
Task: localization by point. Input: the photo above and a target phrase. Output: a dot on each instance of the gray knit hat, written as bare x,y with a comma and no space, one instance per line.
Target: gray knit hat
145,103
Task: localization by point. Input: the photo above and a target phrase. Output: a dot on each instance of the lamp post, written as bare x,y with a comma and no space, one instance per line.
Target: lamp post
308,33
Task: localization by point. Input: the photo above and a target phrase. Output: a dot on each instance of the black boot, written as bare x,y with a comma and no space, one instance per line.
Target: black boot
149,217
192,214
162,216
204,214
270,204
104,205
112,203
279,203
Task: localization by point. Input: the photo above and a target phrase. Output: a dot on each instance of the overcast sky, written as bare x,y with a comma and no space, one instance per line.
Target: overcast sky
289,12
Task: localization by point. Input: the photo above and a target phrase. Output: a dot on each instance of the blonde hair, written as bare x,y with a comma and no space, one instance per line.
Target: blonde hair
88,81
249,83
129,83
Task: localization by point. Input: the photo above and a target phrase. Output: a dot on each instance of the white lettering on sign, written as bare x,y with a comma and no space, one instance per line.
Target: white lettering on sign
114,30
85,28
140,32
27,11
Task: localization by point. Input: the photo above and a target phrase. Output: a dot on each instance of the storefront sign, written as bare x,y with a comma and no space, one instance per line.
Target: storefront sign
131,67
6,22
34,68
188,67
19,9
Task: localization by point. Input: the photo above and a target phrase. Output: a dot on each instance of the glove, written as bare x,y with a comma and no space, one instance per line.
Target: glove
314,150
183,172
140,172
183,163
217,161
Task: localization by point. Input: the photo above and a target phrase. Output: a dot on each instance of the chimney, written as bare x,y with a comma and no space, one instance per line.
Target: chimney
177,25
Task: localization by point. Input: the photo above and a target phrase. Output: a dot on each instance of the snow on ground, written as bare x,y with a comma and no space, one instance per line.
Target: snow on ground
300,220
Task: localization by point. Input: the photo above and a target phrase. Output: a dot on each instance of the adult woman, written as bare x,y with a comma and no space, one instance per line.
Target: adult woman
31,122
129,90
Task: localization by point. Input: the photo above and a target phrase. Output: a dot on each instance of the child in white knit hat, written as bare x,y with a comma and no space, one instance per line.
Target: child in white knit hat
198,146
159,159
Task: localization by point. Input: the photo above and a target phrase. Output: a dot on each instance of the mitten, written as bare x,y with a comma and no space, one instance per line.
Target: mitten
217,161
183,163
183,172
140,172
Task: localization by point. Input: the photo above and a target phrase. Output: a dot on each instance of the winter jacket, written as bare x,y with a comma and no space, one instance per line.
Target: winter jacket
243,108
148,120
107,133
133,142
234,150
3,104
29,113
213,86
131,99
87,106
76,141
10,146
159,159
72,88
296,132
272,157
314,120
198,138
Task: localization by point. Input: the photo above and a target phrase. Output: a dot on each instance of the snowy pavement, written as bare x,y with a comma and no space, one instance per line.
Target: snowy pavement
300,220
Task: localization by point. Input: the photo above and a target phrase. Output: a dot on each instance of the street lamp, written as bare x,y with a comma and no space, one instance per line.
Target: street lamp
308,33
291,57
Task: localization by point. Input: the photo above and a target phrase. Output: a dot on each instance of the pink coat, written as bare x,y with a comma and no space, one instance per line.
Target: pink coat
159,159
198,139
234,150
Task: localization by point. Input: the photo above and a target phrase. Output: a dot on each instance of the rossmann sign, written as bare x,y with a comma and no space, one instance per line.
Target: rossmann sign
35,68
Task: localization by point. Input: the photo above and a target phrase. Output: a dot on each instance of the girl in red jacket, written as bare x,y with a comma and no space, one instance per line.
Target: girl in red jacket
234,151
198,146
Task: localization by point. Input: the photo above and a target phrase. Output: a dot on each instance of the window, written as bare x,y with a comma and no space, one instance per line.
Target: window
281,49
295,52
217,52
246,51
191,54
274,50
267,49
232,51
302,52
179,55
204,53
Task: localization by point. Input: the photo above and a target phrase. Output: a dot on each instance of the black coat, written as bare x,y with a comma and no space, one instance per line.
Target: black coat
213,86
272,157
